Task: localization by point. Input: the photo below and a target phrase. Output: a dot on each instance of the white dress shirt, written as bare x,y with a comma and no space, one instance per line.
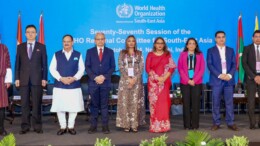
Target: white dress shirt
8,76
222,53
99,50
56,74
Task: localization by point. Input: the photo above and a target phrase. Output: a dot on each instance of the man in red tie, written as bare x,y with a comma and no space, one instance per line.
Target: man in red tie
100,64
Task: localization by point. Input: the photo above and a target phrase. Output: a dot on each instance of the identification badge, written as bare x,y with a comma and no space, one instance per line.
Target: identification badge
224,65
130,72
191,73
257,66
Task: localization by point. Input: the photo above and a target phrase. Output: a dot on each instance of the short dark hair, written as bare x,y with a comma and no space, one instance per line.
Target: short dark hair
256,31
220,31
31,26
68,35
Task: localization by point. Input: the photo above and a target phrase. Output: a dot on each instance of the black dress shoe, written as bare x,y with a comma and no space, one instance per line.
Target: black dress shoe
61,131
258,125
3,133
233,127
215,127
105,130
92,130
252,127
39,131
24,131
72,131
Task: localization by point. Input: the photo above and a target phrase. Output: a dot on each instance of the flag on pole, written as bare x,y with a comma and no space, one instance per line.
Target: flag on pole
240,49
19,30
41,30
256,23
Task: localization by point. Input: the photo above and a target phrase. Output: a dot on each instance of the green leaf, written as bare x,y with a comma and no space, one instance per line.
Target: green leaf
8,140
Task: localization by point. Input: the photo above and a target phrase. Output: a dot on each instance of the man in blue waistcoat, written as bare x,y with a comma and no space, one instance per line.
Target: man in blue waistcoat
67,67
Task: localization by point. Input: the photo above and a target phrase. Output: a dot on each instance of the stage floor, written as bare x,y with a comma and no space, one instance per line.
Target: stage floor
119,137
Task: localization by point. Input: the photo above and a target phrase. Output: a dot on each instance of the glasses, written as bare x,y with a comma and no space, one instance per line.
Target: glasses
159,43
100,39
30,32
67,41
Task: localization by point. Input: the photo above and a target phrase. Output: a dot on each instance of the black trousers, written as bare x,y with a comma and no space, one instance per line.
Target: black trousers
252,87
2,118
191,105
35,92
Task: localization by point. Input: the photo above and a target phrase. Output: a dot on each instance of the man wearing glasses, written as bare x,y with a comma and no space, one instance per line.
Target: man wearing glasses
251,64
100,64
31,77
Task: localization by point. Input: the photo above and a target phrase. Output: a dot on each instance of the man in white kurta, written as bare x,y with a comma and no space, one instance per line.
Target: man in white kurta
67,68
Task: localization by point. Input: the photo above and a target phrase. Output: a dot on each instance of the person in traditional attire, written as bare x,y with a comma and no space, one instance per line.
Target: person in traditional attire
130,106
67,67
5,82
159,67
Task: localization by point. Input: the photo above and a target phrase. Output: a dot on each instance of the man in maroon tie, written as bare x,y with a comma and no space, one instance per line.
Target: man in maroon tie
100,64
31,77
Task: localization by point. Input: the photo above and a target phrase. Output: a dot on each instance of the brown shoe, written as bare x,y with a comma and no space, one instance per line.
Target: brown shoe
233,127
215,127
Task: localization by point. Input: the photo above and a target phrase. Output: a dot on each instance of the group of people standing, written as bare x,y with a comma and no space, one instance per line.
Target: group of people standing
67,67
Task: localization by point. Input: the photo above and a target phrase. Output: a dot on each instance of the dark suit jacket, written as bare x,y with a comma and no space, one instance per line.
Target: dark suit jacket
215,68
249,62
34,70
95,68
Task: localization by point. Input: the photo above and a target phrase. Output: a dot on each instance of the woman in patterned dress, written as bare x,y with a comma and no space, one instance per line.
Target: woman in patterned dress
131,109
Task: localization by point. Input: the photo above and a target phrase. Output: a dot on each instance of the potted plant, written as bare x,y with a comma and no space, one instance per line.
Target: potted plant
157,141
8,140
199,138
103,142
237,141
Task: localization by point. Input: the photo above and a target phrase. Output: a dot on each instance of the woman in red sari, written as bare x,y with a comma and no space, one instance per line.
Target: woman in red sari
159,66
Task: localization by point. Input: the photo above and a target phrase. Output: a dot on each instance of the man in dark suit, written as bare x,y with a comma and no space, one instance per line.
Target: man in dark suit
30,77
222,66
251,64
100,64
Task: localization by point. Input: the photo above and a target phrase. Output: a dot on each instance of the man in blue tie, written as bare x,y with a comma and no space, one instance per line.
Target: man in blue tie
31,77
100,64
222,66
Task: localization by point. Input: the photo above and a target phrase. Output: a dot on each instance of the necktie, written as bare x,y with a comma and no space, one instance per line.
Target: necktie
257,54
30,51
100,54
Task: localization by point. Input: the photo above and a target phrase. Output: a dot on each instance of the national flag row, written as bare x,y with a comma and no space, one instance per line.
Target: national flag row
240,48
40,32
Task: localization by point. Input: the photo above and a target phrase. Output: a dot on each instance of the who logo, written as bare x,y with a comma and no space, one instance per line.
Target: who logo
124,11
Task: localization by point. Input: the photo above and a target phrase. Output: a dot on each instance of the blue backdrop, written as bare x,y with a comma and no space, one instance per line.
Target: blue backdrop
175,20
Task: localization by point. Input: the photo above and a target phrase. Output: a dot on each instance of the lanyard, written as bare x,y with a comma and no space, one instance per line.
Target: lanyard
193,58
126,61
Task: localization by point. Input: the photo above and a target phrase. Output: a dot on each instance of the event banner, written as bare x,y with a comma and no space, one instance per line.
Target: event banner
174,20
